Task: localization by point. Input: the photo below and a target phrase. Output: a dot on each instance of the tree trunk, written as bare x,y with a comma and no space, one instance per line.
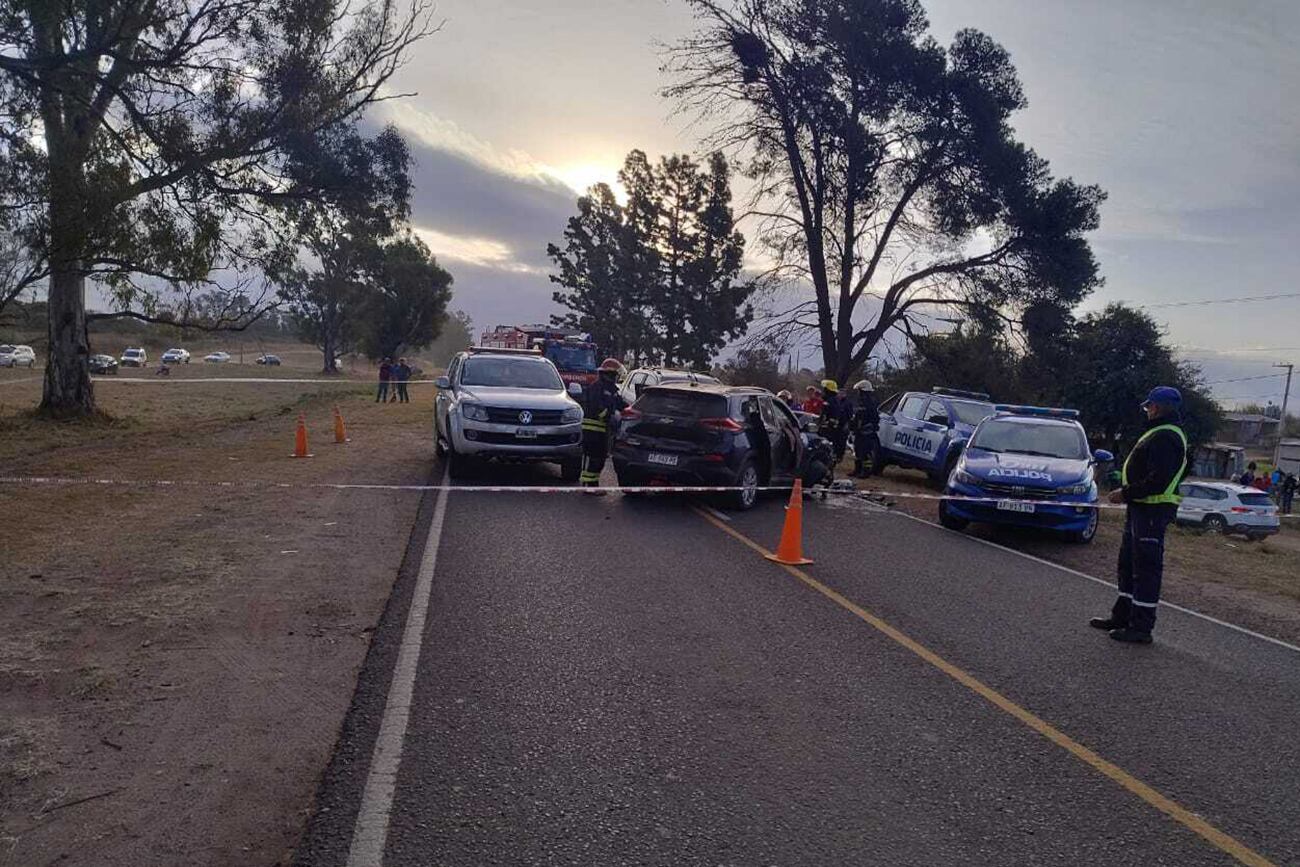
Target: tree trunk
329,323
68,390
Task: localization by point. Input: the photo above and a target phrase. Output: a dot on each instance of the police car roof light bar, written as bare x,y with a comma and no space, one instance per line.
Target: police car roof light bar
1046,411
957,392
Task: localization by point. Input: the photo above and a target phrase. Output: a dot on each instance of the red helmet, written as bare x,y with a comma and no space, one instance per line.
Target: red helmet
612,364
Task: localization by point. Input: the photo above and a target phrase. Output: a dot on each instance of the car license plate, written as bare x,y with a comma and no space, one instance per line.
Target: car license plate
1014,506
666,460
524,433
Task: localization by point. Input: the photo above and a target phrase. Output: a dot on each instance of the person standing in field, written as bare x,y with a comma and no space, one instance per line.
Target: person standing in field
1289,485
403,376
385,374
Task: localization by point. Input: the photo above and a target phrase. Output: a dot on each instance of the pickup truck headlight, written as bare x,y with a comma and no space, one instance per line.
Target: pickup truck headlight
962,477
572,415
474,411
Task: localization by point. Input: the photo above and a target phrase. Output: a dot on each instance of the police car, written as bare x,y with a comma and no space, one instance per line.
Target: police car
926,431
1031,467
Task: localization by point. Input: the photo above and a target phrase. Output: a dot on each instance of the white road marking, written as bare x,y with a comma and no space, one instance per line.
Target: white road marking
370,834
1110,584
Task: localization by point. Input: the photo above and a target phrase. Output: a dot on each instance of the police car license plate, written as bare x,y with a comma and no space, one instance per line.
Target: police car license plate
1014,506
525,433
666,460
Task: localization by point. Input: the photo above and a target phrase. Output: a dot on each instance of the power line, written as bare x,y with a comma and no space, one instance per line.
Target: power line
1205,301
1245,378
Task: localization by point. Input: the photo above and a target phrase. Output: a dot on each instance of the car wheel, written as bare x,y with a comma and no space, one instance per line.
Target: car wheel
1215,524
747,481
949,520
571,470
459,467
1089,532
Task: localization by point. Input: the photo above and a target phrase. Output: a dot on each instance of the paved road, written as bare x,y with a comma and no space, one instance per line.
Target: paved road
619,681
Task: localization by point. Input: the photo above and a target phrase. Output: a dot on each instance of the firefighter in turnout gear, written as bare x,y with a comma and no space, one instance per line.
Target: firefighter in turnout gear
866,421
601,404
1149,485
834,421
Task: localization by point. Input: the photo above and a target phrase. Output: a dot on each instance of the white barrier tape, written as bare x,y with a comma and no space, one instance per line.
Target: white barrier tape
544,489
272,380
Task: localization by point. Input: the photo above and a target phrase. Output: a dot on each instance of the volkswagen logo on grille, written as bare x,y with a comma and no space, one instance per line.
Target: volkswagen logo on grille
525,417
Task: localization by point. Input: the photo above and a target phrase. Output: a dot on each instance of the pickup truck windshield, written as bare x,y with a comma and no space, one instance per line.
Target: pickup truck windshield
510,373
1043,440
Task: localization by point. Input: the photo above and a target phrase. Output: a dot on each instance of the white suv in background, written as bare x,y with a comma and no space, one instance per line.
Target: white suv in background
17,356
1227,508
639,380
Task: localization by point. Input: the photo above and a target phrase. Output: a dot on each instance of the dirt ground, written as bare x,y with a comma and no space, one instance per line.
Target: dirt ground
175,662
1252,584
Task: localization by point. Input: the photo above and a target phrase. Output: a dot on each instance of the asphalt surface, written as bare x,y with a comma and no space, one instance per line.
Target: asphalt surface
618,681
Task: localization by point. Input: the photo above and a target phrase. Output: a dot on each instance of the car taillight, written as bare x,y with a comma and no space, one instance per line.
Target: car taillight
631,414
723,424
1241,510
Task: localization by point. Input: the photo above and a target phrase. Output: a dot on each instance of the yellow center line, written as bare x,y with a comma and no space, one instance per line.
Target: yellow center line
1164,804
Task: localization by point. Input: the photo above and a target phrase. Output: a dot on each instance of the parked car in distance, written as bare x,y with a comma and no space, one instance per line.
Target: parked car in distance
17,356
687,433
507,405
103,364
639,380
1225,507
134,357
176,356
217,357
269,360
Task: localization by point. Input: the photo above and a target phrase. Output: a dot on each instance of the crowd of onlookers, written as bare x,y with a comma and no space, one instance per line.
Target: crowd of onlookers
1281,486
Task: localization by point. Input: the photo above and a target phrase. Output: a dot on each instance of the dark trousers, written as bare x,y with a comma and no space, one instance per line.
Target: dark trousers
1287,498
383,391
595,448
864,443
1142,564
839,437
402,396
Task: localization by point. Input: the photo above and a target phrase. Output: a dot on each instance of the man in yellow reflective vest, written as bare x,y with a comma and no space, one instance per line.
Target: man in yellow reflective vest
1149,485
601,404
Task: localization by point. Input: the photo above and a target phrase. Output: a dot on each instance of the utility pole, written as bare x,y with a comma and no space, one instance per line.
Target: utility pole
1281,429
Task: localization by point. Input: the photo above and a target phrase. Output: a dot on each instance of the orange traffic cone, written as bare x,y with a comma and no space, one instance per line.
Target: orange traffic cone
300,439
790,551
340,432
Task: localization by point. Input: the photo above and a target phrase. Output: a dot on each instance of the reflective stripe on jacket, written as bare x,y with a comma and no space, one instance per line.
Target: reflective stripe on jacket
1150,462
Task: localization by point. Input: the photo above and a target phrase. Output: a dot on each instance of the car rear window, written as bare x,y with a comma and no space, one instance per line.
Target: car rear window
1255,499
681,404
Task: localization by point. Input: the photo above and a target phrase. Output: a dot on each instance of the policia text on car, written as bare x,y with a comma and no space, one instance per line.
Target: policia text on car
1149,485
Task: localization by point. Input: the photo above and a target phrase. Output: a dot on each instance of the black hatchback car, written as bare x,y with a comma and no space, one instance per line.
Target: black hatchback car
709,434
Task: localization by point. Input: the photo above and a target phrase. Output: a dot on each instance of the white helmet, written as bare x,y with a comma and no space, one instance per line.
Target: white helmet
863,385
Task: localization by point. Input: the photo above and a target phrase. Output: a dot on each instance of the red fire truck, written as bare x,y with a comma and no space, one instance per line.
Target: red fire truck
572,352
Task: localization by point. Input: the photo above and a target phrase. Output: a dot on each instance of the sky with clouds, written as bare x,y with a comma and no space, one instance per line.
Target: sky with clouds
1183,110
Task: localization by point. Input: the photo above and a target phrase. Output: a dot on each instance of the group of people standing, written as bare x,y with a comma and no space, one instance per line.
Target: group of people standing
397,374
838,417
1282,486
